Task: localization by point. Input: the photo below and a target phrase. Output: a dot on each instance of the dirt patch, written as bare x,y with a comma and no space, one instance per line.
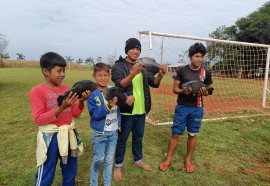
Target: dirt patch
260,168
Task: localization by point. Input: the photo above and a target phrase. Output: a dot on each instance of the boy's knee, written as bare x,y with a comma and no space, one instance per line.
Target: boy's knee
175,136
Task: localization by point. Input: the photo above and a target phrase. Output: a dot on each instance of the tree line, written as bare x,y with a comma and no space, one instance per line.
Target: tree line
231,59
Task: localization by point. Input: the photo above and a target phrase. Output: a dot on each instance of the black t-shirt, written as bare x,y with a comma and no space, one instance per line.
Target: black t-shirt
185,74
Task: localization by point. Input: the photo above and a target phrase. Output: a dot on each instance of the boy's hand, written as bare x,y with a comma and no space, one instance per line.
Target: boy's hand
136,69
163,70
112,102
130,100
72,97
85,95
186,91
203,91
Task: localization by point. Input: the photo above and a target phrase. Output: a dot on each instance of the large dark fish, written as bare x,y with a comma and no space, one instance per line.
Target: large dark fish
79,88
118,92
196,86
149,64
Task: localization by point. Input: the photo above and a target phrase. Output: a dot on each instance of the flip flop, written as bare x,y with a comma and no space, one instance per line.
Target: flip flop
189,168
163,166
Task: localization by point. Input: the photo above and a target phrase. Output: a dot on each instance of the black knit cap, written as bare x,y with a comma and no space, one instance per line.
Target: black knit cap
132,43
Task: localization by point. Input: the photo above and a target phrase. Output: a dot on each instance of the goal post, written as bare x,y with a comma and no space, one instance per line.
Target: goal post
240,73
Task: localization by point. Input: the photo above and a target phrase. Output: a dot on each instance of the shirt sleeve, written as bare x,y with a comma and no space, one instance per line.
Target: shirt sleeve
96,110
151,80
176,75
117,75
38,104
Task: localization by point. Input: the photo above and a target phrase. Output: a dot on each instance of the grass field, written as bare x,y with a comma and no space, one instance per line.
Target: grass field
230,152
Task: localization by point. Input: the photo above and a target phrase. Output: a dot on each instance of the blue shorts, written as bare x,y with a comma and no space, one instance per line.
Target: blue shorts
185,116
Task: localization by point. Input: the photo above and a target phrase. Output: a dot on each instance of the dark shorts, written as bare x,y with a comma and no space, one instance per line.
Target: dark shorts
187,117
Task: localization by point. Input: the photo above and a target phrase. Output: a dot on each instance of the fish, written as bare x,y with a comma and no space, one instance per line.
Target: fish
78,88
196,86
118,92
149,64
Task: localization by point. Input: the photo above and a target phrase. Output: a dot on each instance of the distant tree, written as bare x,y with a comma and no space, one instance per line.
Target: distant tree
20,56
79,61
68,58
111,60
3,44
90,61
254,29
4,56
99,59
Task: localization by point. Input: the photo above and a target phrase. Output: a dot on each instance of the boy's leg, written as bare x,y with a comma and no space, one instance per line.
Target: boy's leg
126,126
193,127
137,137
99,144
178,128
69,170
173,142
109,157
191,143
45,172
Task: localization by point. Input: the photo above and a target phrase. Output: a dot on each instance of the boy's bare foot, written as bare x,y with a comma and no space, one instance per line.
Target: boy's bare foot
117,174
144,166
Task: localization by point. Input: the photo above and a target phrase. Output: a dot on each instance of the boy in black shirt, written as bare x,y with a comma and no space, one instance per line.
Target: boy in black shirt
189,108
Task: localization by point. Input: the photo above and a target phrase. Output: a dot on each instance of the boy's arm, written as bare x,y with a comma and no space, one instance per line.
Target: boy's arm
96,110
38,104
120,79
208,81
155,81
177,90
162,71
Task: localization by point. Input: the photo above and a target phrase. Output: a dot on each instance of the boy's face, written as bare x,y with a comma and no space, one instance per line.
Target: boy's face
102,78
134,53
56,76
197,59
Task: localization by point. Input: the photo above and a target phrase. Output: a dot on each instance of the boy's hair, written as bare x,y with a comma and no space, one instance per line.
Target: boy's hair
196,48
51,59
100,67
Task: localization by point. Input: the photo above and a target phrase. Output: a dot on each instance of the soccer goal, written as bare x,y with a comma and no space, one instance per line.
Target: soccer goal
240,73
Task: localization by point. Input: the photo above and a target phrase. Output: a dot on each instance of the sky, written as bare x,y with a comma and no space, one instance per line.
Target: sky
88,28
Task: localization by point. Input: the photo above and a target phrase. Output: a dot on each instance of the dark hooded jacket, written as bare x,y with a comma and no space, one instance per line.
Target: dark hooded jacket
120,70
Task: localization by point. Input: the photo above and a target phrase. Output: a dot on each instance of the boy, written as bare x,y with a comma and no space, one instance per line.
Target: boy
127,73
105,121
189,108
57,135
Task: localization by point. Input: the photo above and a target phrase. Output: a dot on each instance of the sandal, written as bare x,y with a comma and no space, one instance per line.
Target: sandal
144,166
163,166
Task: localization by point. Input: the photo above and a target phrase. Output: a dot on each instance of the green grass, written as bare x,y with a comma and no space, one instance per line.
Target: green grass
230,152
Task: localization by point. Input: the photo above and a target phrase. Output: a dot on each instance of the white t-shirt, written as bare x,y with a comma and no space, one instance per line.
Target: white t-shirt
111,123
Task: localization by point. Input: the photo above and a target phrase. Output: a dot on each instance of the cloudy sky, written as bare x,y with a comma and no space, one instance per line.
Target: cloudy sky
88,28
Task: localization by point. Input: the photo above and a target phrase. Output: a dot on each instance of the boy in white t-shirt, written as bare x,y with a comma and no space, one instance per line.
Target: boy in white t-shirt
105,121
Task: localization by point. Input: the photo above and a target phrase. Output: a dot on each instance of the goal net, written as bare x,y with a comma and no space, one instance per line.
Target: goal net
239,70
